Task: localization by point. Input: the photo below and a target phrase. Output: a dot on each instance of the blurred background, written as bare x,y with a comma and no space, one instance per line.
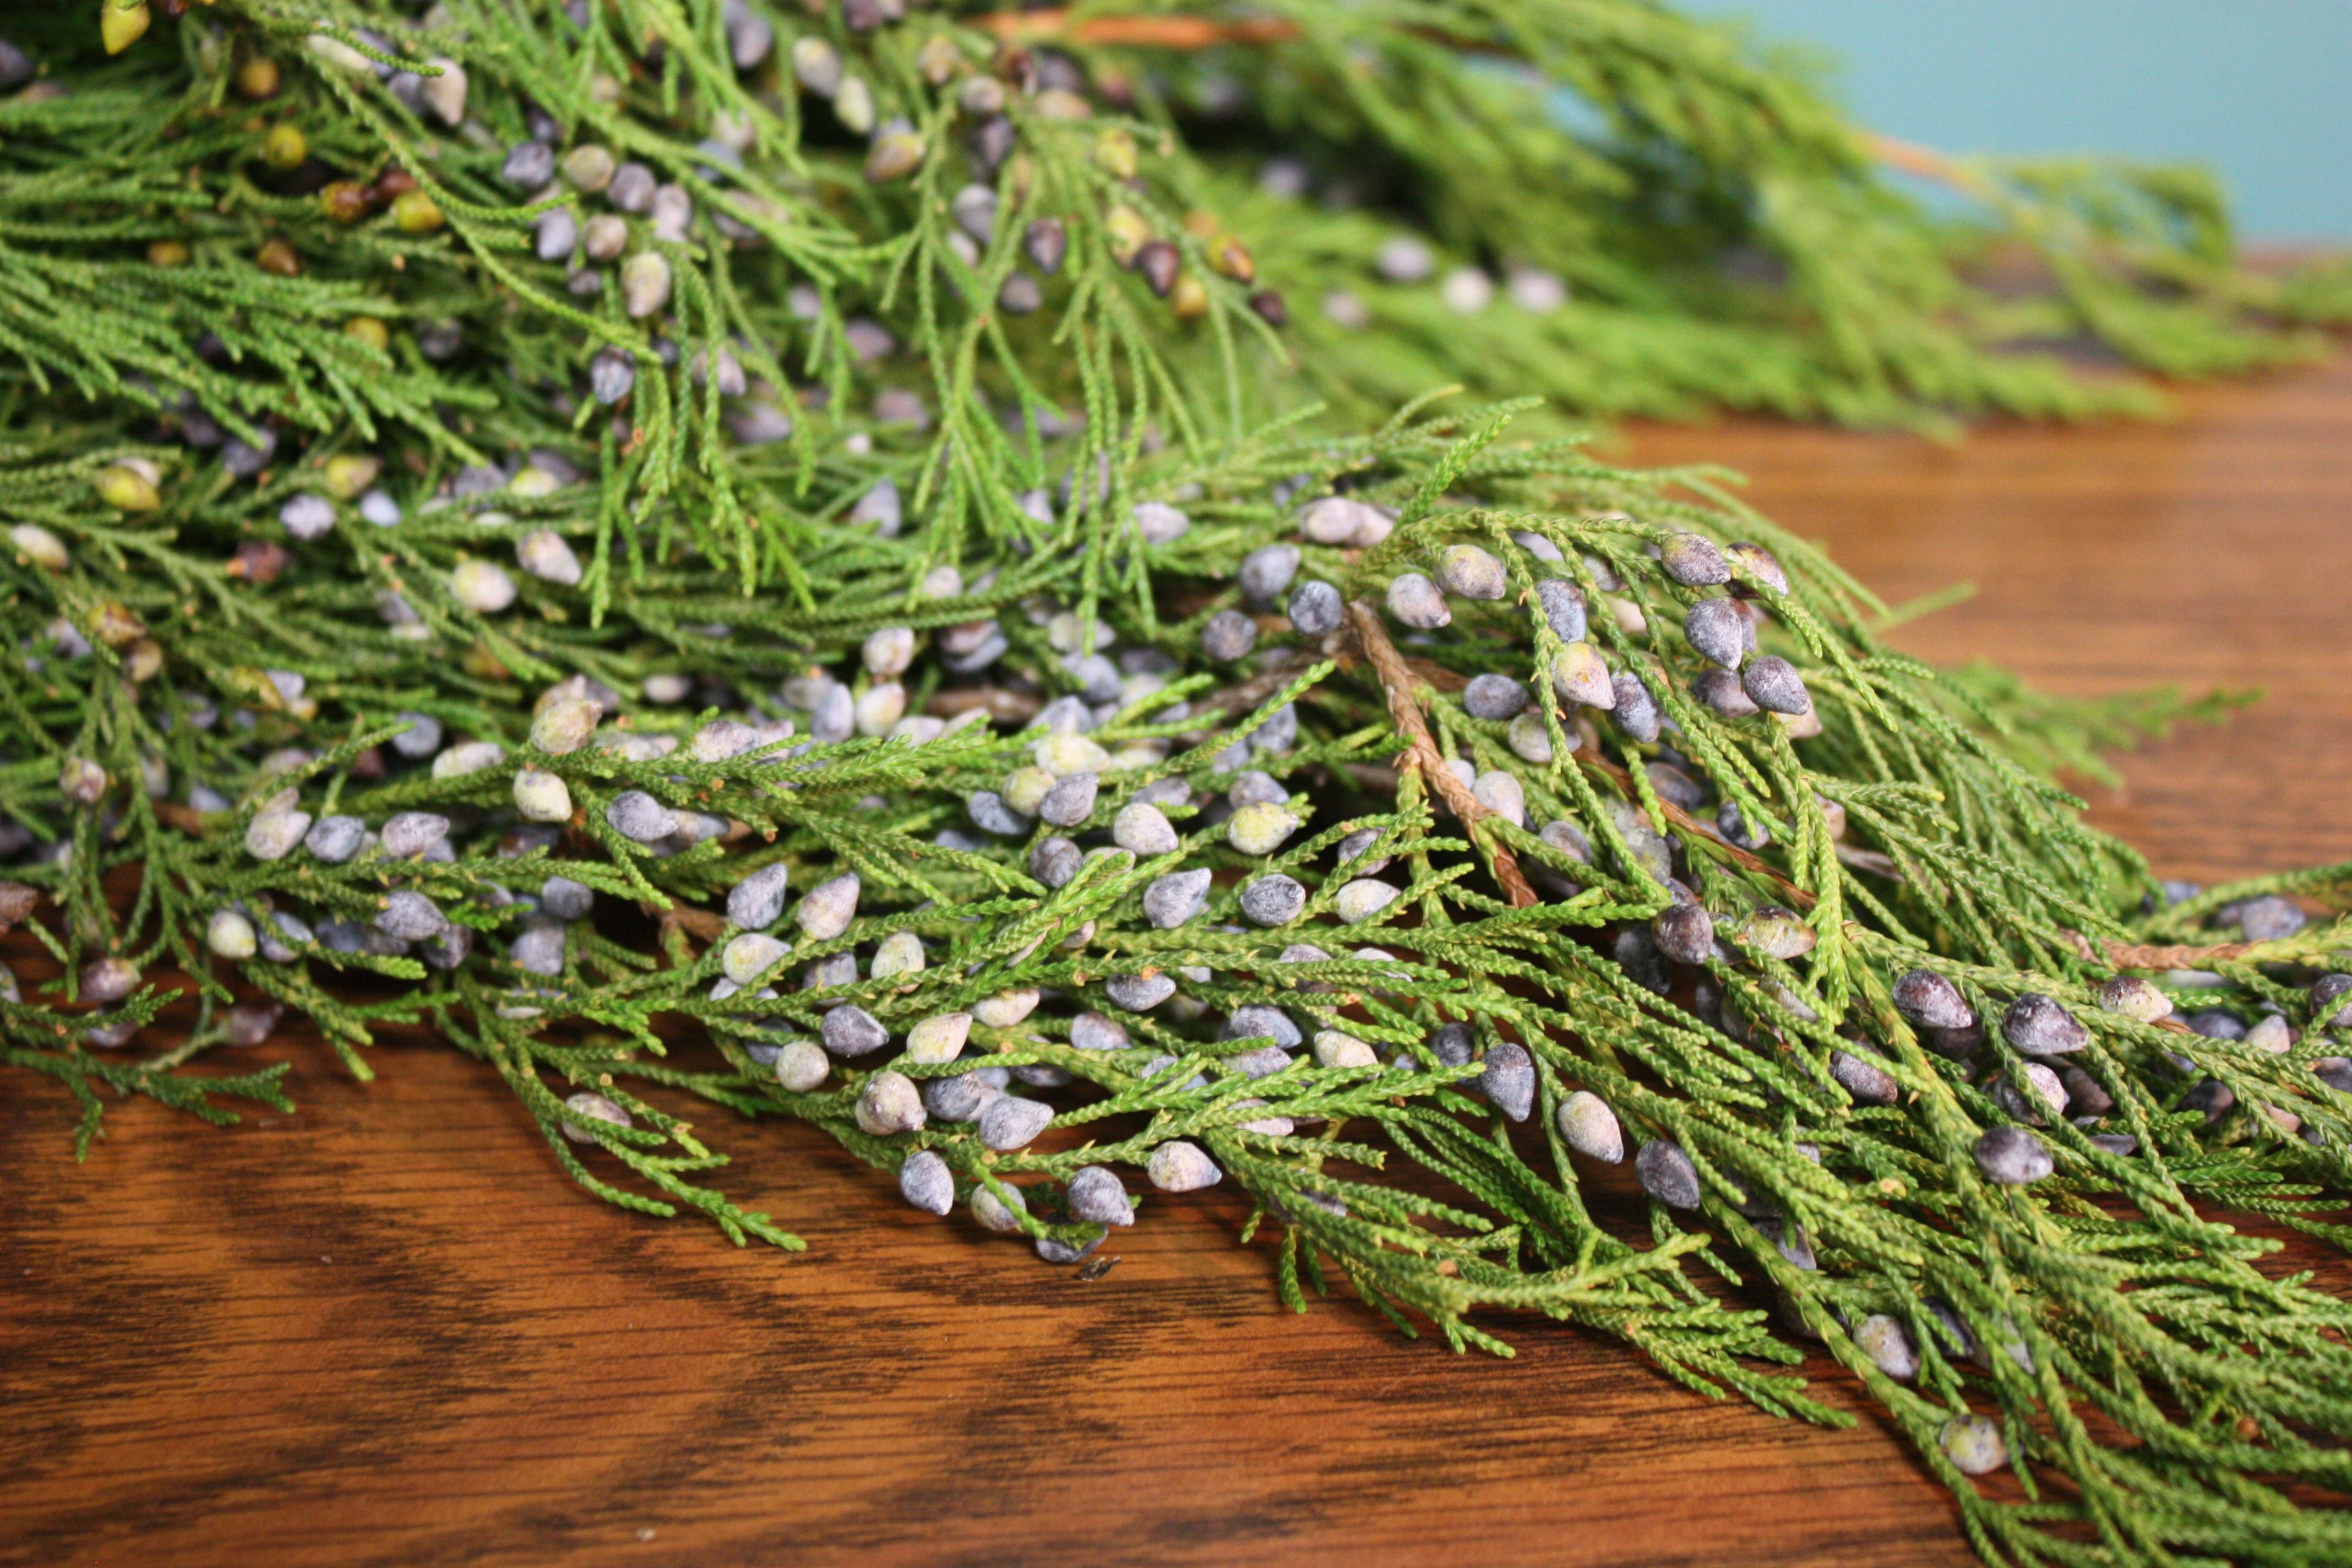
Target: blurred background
2258,91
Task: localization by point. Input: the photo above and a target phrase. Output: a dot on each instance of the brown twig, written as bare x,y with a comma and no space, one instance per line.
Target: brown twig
1245,696
1797,897
1421,755
2130,955
1149,32
1005,707
701,924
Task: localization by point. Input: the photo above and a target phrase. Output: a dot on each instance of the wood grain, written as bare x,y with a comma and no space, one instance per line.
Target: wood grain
386,1331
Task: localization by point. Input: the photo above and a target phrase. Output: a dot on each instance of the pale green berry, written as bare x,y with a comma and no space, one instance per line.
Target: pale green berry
39,546
1591,1128
231,935
272,834
470,756
1006,1009
1260,829
1973,1444
1025,789
827,909
881,707
1362,898
2129,997
889,1103
541,796
565,725
1336,1049
482,587
1065,755
802,1066
939,1038
1882,1338
584,1108
750,956
901,953
994,1214
1181,1167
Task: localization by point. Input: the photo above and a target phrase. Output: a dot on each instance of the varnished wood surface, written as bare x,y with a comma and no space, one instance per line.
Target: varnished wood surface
386,1331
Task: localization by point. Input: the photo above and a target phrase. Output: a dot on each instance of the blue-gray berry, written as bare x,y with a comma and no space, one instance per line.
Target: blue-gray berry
1093,1032
1863,1079
1255,786
1684,932
565,899
1054,860
851,1031
637,815
1721,690
1170,900
421,739
1693,561
1263,1062
2013,1156
1257,1022
1228,636
1667,1175
2269,919
1266,570
925,1181
1773,684
2040,1027
1755,563
408,916
1273,900
1315,608
1932,1002
990,815
1056,1251
1493,697
757,901
539,949
1139,993
529,165
411,833
957,1098
1071,800
1508,1080
335,839
1098,1197
1417,601
1637,710
1010,1122
1563,607
1717,629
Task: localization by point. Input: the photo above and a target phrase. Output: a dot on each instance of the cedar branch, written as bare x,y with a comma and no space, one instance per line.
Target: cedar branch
1421,755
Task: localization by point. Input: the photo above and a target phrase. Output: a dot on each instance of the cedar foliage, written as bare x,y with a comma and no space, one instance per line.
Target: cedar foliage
453,575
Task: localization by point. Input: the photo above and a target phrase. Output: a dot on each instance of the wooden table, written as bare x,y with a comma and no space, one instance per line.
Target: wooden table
386,1330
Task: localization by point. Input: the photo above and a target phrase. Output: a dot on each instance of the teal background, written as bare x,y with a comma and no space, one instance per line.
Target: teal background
2258,91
